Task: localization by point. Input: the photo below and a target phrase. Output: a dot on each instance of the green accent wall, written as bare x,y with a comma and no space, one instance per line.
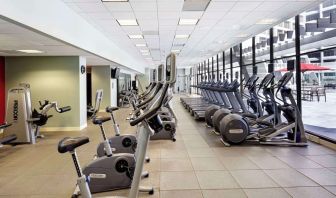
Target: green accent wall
54,79
101,79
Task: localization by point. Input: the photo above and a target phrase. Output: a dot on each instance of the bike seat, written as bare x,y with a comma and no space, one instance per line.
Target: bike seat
100,119
69,144
110,109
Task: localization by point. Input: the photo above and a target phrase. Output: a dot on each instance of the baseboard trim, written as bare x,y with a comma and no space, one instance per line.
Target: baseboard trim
53,129
321,141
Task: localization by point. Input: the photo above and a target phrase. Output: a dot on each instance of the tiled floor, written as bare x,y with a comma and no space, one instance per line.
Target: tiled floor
197,165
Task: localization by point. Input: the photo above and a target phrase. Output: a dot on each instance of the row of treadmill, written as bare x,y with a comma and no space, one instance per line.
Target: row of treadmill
262,110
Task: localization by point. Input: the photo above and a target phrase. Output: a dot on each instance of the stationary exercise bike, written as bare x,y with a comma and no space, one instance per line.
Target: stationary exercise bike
119,143
148,122
112,171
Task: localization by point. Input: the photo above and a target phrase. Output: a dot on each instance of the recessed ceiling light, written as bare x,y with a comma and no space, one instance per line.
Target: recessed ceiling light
135,36
181,36
140,45
146,54
144,50
266,21
188,21
127,22
30,51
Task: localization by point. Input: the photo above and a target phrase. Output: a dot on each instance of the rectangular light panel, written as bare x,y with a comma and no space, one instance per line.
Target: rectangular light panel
181,36
135,36
188,21
127,22
30,51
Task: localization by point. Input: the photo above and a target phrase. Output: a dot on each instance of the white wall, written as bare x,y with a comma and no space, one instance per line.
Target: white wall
101,79
82,95
55,18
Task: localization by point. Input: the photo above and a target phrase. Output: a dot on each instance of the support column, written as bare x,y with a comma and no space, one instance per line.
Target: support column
298,62
231,65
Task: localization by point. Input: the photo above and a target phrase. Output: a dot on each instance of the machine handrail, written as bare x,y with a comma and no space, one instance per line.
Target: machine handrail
152,111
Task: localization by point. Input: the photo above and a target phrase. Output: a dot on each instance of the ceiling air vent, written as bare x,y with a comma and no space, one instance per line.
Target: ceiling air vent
195,5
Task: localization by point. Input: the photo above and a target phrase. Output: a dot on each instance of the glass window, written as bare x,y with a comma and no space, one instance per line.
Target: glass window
247,52
318,68
262,43
227,65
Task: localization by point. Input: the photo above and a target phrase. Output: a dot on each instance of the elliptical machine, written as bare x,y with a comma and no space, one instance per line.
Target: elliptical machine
235,129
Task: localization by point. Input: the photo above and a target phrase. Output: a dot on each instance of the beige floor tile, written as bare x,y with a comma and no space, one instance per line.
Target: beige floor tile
238,163
174,153
322,176
328,161
284,177
253,179
192,137
201,152
203,164
153,165
24,185
309,192
267,192
188,131
179,144
281,151
229,193
195,144
228,152
314,149
153,180
269,162
181,194
299,162
216,180
178,164
178,181
57,184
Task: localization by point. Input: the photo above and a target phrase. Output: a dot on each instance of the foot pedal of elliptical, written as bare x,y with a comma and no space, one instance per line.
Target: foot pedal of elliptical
225,143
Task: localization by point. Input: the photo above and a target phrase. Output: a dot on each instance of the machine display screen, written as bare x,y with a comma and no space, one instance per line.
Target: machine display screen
160,72
154,75
168,68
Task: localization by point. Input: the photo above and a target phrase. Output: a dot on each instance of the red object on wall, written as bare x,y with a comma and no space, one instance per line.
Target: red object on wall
2,90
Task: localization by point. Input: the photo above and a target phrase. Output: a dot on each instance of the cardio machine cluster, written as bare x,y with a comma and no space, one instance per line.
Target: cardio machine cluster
264,112
119,159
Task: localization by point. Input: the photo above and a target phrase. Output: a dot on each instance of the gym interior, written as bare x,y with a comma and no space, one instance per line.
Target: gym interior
168,98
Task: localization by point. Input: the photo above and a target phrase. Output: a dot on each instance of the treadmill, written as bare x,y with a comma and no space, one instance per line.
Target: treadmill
227,94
